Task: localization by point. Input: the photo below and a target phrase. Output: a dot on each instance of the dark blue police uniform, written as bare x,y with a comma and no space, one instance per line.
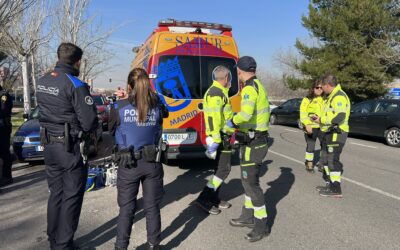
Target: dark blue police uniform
5,132
64,102
129,132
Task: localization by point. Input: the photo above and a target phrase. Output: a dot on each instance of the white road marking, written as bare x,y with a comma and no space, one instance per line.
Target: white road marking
346,179
362,145
291,130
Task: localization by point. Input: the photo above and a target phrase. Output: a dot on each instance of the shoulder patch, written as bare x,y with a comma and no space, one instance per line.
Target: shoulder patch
4,98
89,100
76,82
340,104
215,92
246,97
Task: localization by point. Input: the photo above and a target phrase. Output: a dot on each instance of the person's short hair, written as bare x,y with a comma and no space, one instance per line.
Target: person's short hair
328,78
220,72
69,53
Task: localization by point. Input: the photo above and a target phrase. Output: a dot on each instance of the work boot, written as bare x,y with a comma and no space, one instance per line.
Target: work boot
150,246
320,188
221,204
334,190
246,219
309,166
260,230
203,201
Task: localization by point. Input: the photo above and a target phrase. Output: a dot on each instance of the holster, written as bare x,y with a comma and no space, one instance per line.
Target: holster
126,158
44,139
334,129
150,153
226,141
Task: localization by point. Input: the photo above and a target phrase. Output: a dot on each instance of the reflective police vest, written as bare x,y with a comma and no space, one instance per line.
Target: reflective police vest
254,107
309,108
336,111
130,132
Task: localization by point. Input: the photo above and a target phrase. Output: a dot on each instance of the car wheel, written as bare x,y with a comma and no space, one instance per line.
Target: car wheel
299,124
273,120
392,137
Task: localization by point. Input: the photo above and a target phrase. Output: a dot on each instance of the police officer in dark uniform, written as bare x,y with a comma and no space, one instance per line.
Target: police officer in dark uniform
67,115
5,133
136,123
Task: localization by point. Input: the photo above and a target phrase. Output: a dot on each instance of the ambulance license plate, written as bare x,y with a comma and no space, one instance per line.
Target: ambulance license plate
180,138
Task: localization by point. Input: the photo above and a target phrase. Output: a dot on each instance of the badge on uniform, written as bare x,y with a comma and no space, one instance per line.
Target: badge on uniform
244,173
89,100
339,104
4,98
246,97
330,149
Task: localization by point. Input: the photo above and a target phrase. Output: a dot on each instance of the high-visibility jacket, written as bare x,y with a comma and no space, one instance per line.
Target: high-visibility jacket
254,107
309,108
336,111
217,110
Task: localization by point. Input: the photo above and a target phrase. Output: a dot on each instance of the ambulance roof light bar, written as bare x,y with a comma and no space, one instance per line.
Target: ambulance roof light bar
193,24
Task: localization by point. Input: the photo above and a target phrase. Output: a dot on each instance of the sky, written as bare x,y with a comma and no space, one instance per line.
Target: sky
261,28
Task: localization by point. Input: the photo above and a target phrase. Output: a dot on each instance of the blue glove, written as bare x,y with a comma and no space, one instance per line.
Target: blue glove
212,148
230,123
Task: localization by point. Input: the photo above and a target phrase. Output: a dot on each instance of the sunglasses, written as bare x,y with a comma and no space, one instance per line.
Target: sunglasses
318,88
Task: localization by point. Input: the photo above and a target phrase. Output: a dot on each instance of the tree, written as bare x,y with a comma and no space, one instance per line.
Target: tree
75,25
24,35
352,37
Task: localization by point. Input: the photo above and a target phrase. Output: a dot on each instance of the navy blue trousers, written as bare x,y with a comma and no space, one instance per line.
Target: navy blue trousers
128,181
66,177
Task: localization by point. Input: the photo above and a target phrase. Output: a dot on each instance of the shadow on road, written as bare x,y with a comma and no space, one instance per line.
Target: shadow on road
24,181
279,188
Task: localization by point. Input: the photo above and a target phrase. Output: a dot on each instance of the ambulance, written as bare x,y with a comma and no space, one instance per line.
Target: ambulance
180,57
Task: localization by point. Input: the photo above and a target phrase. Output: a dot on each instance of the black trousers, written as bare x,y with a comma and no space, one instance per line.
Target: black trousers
5,156
223,162
66,177
128,181
312,139
251,157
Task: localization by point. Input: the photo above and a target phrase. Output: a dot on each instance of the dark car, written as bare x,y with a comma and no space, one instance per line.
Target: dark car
377,118
102,109
287,113
26,140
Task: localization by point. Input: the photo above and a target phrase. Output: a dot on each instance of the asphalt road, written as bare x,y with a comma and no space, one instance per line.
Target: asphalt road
368,217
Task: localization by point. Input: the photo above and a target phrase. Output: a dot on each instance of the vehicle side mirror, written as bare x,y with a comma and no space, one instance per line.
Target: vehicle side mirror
25,116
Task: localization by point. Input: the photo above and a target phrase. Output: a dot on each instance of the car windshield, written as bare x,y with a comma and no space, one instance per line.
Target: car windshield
98,100
189,77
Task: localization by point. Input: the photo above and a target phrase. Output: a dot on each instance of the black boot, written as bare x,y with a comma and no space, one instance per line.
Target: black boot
204,201
326,187
309,166
259,231
221,204
149,246
334,190
246,219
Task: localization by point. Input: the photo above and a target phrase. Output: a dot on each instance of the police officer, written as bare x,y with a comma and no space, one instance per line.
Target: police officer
66,111
217,110
311,105
335,123
5,133
252,122
136,123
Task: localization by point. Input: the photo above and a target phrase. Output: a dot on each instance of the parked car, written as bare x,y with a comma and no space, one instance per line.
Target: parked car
272,106
377,118
26,140
287,113
103,111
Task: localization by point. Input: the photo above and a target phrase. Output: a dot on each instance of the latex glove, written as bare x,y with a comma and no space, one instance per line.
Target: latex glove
230,123
309,129
211,151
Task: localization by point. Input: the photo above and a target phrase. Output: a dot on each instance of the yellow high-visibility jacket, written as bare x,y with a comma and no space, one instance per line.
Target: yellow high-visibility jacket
309,108
217,110
254,107
336,111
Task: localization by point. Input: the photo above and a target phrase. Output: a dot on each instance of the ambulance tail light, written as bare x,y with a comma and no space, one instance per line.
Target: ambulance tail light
225,29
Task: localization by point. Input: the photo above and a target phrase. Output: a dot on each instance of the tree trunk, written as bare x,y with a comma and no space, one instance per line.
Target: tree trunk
25,80
33,76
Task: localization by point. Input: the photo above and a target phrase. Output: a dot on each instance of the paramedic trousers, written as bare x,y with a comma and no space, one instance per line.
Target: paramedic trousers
251,158
311,141
66,177
333,144
128,181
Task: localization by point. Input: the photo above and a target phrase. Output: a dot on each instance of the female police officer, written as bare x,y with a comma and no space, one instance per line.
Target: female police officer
136,123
